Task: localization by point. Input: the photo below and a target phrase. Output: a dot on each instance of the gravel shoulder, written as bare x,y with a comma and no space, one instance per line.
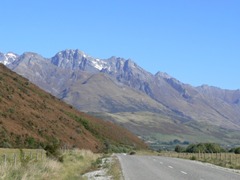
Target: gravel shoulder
110,169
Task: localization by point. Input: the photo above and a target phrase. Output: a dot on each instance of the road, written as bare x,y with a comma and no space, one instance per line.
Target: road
164,168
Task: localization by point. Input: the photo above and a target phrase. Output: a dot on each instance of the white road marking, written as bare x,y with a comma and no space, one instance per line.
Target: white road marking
183,172
170,167
161,162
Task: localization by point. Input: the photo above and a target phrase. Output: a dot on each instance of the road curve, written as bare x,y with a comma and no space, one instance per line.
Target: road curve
164,168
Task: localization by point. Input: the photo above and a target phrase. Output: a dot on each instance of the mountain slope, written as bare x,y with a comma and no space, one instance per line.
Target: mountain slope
101,93
120,87
30,117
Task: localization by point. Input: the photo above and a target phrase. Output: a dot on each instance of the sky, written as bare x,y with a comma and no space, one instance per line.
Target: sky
195,41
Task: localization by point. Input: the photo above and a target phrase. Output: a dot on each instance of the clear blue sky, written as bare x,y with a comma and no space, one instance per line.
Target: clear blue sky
195,41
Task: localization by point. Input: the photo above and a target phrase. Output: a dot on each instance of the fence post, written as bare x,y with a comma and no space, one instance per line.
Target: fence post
41,155
238,159
5,159
15,160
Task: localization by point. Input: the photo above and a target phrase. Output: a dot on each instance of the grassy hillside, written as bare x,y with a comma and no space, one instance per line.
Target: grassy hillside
162,131
30,117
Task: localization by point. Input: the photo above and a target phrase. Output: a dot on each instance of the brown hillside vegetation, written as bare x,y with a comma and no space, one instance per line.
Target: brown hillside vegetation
30,117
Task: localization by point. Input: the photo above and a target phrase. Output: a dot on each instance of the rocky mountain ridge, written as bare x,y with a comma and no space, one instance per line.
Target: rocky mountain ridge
117,85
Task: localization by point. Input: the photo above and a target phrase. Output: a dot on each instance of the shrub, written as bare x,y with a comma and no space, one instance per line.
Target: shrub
97,163
237,150
159,150
132,153
30,142
193,158
53,151
24,160
5,145
204,148
179,149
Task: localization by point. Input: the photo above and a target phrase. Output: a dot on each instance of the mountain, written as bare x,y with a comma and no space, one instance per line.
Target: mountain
30,117
8,58
114,88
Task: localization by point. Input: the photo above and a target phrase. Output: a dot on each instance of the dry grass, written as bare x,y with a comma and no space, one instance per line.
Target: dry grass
31,154
76,163
33,170
228,160
114,169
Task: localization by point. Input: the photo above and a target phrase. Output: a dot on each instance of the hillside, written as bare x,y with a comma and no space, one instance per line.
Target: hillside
156,107
30,117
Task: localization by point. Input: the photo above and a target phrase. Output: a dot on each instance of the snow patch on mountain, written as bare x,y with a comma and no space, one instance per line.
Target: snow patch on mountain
99,64
11,55
7,58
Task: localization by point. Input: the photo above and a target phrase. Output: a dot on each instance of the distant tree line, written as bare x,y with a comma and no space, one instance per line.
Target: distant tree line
205,148
235,150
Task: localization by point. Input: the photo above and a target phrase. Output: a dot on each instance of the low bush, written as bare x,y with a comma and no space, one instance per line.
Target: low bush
53,151
193,158
180,149
237,150
204,148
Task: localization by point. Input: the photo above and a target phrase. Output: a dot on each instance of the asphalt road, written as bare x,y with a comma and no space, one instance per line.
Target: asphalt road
164,168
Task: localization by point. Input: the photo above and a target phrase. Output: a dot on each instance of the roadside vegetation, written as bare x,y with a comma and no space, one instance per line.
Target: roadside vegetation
74,163
205,152
208,152
114,169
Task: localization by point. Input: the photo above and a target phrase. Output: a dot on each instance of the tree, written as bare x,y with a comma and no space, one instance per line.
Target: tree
237,150
179,149
204,148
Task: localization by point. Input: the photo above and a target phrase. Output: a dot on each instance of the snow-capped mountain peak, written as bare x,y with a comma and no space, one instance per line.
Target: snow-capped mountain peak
78,60
11,55
8,58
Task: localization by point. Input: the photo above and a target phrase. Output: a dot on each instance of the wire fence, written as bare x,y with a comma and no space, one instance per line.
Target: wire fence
14,157
229,160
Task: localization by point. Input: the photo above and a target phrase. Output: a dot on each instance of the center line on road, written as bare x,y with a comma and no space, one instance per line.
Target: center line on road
183,172
170,167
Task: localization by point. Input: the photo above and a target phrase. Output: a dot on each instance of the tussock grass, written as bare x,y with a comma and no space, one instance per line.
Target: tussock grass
33,170
75,163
